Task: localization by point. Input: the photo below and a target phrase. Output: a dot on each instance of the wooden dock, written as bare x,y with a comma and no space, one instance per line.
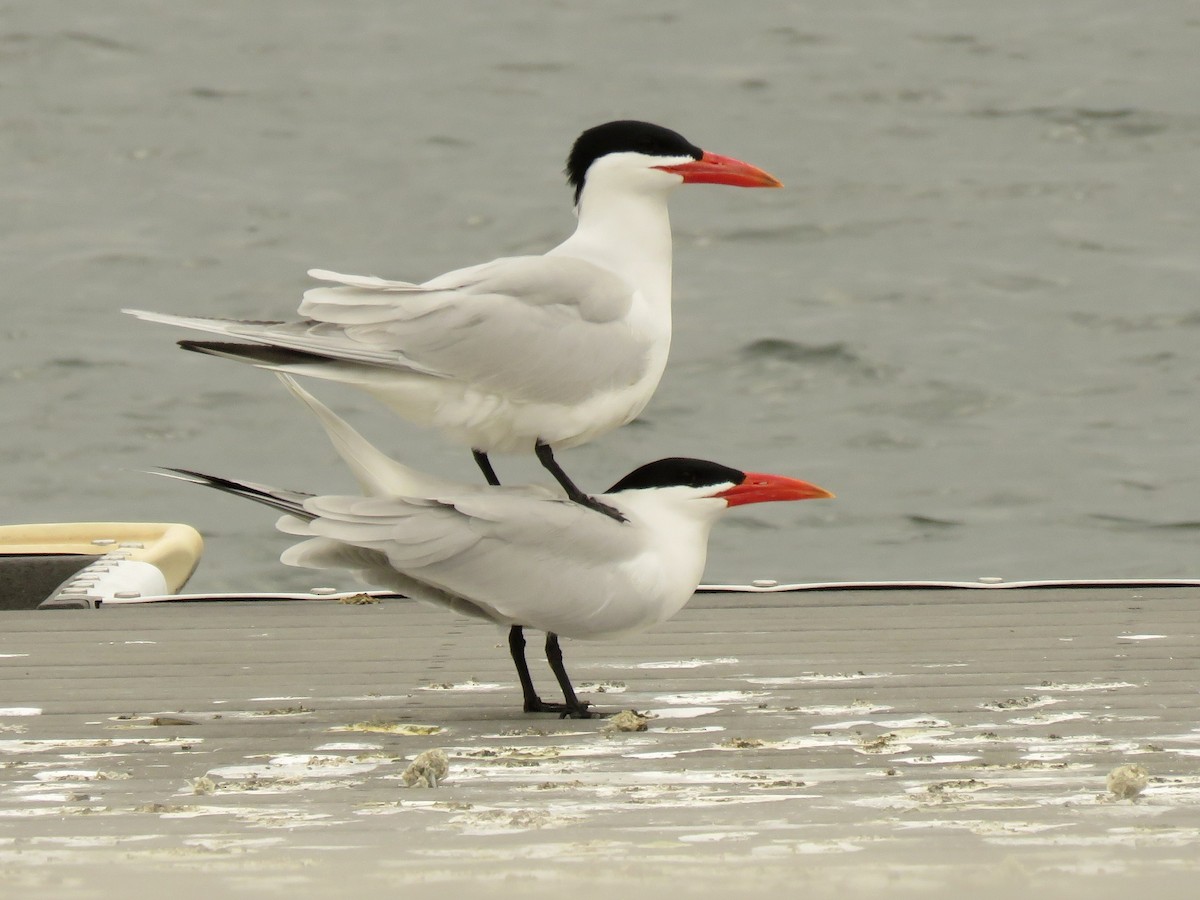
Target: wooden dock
828,744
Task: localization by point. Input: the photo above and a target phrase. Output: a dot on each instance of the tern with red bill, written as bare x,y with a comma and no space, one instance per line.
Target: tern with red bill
521,556
526,352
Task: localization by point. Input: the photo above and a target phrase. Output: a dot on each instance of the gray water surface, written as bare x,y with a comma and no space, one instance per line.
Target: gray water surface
973,312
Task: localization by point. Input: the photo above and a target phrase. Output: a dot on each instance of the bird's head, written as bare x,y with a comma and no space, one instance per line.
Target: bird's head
639,155
702,480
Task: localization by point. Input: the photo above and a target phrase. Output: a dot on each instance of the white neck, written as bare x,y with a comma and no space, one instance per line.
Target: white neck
676,532
627,230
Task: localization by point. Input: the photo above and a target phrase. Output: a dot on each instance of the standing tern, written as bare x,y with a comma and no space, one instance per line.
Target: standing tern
543,352
518,556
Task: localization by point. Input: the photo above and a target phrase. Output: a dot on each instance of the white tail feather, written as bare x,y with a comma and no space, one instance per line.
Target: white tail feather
371,282
376,473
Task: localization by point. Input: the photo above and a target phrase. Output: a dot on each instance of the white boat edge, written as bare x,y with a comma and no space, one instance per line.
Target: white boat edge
800,587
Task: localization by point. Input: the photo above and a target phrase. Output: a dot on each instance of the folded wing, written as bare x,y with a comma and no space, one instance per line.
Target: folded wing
532,328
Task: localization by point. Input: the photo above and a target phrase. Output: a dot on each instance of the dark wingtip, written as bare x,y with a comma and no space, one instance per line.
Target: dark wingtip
290,502
257,354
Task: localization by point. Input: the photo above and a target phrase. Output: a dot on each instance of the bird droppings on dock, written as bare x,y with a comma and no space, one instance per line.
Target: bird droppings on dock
202,785
382,726
361,599
626,720
429,769
682,663
601,687
1128,781
469,685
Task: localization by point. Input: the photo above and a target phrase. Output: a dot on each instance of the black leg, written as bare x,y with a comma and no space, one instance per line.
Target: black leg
485,466
533,703
574,708
546,457
516,646
516,634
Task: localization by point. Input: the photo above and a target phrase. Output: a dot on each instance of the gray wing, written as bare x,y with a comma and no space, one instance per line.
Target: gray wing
540,328
502,547
535,328
420,532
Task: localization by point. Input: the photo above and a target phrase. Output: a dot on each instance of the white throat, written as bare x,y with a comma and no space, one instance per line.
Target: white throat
625,228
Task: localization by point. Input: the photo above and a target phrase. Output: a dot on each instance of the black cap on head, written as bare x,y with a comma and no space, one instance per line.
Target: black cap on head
678,471
625,136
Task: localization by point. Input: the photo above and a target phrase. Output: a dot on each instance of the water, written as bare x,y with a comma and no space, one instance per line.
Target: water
972,313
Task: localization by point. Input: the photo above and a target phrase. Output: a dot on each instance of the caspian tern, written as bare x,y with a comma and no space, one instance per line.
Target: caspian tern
543,352
518,556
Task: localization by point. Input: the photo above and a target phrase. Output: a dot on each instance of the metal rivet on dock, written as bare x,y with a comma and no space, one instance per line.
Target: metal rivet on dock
990,579
764,582
323,592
